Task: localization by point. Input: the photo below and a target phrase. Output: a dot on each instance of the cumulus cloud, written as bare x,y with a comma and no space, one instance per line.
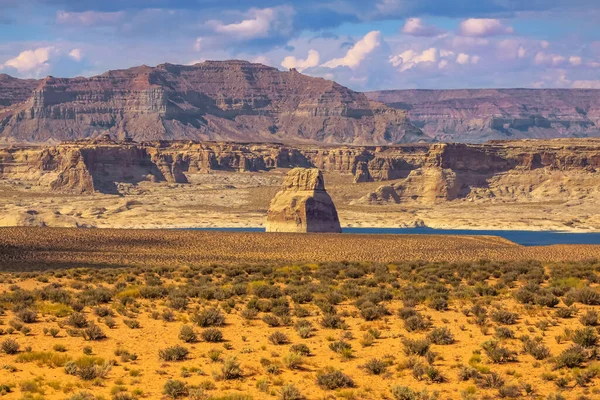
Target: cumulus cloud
259,24
76,54
464,59
586,85
554,60
358,52
410,58
89,18
32,63
312,60
416,27
483,27
575,60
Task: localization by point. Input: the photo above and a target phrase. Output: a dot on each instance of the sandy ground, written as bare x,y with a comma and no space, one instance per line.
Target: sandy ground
40,248
223,199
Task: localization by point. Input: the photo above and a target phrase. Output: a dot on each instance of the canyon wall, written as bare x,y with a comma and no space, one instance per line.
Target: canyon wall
428,173
478,115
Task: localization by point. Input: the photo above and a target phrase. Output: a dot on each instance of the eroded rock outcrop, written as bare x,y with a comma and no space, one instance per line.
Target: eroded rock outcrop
303,205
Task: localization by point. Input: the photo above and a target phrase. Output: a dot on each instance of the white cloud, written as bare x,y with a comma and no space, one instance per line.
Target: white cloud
443,64
198,44
446,53
586,85
575,60
545,44
88,18
553,60
312,60
32,62
260,23
416,27
76,54
463,59
358,52
410,59
482,27
475,59
521,53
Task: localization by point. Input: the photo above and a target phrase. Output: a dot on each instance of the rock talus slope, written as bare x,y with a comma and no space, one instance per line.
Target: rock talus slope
303,205
215,100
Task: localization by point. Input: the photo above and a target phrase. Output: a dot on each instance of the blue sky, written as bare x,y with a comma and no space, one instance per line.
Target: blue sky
366,45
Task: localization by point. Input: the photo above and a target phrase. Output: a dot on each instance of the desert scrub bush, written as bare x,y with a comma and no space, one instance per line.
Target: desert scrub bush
504,317
340,346
48,358
375,366
209,317
417,323
497,353
491,380
271,320
406,393
10,346
187,334
51,331
82,396
104,311
27,315
77,320
465,373
304,328
441,336
93,332
510,392
88,368
586,295
570,358
132,323
278,338
293,360
301,349
174,353
231,369
502,332
418,347
290,392
536,348
175,389
332,321
372,312
566,312
212,335
586,337
438,303
331,379
590,318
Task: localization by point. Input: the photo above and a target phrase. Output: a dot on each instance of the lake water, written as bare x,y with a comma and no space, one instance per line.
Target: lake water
525,238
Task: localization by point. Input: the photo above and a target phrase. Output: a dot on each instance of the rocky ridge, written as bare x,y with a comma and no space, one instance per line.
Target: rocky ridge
477,115
215,100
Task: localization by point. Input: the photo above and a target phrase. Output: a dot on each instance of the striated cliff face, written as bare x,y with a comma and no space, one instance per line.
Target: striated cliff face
478,115
229,100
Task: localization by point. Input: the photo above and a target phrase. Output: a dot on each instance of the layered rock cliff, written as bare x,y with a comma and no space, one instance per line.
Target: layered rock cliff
229,100
478,115
303,205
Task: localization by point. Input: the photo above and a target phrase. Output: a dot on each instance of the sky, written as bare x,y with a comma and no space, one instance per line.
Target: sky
363,44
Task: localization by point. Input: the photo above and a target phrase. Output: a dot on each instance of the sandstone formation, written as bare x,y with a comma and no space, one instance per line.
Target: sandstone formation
303,205
215,100
477,115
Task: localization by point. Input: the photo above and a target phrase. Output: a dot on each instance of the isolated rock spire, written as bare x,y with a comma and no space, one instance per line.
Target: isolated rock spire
303,205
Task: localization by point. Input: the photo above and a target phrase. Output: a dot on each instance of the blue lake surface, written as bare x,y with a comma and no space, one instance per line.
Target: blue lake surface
525,238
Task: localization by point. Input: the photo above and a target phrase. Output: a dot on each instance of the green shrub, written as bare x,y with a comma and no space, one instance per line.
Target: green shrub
175,389
504,317
27,315
586,337
499,354
570,358
417,323
209,317
331,379
590,318
536,348
375,366
77,320
187,334
93,332
441,336
10,346
290,392
278,338
417,347
174,353
332,321
231,369
212,335
301,349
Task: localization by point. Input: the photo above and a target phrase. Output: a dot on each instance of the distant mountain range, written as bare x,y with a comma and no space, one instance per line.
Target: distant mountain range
479,115
244,102
228,100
